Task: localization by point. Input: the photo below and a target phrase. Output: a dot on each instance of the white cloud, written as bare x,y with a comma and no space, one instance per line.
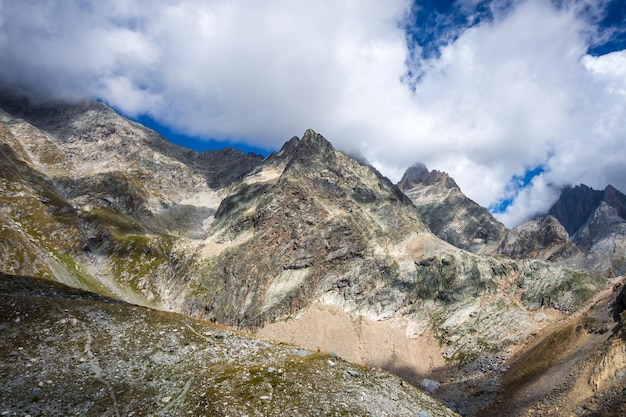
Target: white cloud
505,96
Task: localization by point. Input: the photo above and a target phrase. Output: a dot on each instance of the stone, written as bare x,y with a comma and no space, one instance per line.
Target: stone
429,385
301,352
220,335
35,394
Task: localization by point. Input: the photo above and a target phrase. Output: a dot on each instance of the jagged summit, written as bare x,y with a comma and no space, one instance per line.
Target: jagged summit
418,175
575,205
596,223
313,147
413,176
312,136
451,215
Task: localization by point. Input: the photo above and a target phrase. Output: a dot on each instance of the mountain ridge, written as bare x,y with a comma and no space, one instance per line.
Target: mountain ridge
584,228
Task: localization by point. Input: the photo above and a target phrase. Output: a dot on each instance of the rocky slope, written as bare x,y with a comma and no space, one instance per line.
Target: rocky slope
306,245
67,352
96,201
573,368
449,213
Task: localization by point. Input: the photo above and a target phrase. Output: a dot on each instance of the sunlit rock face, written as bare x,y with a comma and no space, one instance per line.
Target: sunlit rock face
450,214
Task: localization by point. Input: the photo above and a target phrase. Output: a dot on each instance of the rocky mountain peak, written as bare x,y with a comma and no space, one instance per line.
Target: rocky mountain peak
616,199
449,214
575,205
313,145
413,176
418,174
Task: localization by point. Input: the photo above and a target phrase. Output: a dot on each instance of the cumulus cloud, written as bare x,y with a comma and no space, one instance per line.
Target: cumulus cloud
501,96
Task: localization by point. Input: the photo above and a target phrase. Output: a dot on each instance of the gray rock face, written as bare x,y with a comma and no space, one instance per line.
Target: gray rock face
541,238
596,222
449,213
575,205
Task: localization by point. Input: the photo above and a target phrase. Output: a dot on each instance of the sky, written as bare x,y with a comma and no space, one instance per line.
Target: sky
515,99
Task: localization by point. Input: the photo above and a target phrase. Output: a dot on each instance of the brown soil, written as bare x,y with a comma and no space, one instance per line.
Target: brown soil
383,344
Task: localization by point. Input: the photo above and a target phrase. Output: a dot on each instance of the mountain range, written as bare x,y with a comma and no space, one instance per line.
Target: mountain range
306,246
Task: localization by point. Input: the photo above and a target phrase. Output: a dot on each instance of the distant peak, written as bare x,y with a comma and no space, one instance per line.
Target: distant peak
575,205
309,133
413,176
313,143
418,167
418,174
311,136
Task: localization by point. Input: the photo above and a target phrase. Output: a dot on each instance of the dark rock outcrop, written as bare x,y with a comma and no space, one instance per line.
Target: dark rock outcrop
596,222
575,205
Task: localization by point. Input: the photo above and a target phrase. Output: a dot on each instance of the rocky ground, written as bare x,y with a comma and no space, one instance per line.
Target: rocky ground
571,367
66,352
